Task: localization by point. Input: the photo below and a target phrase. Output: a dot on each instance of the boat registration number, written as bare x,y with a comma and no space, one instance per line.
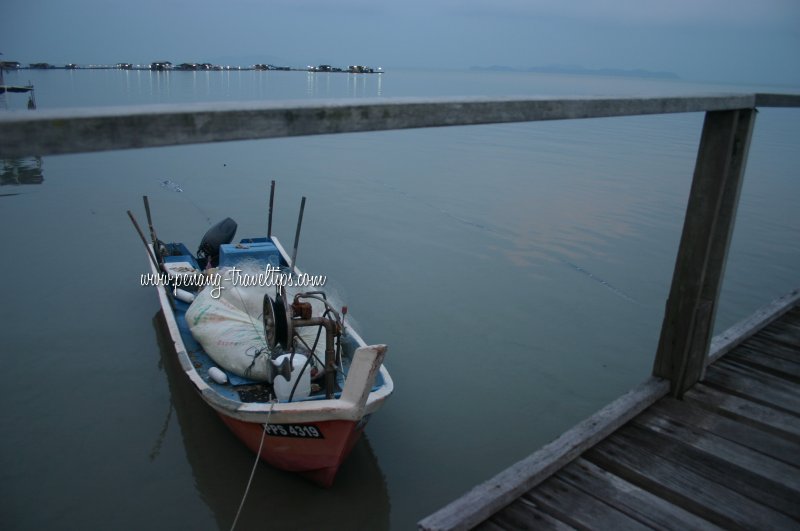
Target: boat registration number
303,431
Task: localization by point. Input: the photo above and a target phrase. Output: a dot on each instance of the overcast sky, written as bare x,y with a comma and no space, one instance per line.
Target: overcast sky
746,41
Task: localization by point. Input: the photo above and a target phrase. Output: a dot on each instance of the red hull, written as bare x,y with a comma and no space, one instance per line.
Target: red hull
318,459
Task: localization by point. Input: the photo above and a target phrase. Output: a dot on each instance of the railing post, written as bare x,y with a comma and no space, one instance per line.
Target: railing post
700,265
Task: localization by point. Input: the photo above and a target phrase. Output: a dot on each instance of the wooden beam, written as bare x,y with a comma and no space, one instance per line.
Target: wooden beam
700,265
484,500
107,128
777,100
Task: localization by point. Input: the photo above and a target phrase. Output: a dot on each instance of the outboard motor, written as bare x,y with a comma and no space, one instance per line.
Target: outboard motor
221,233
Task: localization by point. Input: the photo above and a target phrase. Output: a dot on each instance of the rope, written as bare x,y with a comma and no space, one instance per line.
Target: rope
253,471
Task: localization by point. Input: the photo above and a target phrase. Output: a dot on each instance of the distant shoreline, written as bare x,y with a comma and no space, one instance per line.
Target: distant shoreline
166,66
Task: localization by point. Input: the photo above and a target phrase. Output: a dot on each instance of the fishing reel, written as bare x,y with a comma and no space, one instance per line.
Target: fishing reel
282,321
278,329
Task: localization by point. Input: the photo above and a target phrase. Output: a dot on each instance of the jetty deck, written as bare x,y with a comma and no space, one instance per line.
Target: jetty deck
727,455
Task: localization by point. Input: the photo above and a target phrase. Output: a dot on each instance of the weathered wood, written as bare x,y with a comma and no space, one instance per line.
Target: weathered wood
760,474
579,509
699,268
723,343
630,499
784,334
767,346
743,410
760,360
760,388
682,485
739,479
686,413
100,129
485,499
524,514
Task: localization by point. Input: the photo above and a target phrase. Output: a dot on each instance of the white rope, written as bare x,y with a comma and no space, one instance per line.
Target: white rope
253,471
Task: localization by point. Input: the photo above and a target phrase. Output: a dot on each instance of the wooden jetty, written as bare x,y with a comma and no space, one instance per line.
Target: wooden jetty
725,455
695,445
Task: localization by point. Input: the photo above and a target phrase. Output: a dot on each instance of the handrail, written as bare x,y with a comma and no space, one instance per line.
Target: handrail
60,131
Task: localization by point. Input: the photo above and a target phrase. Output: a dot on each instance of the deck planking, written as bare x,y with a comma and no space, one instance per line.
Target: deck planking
727,455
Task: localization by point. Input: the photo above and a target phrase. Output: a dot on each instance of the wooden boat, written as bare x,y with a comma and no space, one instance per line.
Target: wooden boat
310,432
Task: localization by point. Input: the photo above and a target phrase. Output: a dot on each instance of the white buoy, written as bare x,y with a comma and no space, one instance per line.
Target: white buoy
217,375
283,388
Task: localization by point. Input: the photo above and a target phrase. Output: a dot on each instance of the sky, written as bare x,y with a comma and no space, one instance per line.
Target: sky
733,41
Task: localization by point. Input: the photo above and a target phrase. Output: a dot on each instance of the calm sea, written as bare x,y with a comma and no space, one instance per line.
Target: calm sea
517,272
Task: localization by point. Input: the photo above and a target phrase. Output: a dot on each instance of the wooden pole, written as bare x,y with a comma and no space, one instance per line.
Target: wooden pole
700,265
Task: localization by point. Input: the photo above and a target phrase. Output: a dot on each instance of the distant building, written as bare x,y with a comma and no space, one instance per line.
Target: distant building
40,65
71,66
124,66
9,65
161,65
358,69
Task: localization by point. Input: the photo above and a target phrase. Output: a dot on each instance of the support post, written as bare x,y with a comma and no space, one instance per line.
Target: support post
700,265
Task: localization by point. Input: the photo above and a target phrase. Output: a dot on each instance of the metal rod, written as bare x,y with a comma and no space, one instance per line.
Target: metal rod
297,235
271,200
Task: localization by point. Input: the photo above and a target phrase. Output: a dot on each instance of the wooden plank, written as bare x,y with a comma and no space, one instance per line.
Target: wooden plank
630,499
688,320
99,129
723,343
761,376
579,509
758,471
772,365
758,488
767,346
525,514
683,486
784,334
747,435
755,386
488,497
743,410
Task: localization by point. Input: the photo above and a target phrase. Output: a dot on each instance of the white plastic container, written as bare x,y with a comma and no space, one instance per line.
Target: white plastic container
217,375
283,388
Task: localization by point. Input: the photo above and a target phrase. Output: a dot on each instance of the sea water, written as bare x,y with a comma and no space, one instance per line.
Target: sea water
518,273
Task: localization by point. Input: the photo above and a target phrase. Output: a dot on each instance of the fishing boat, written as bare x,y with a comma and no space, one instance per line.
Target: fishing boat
277,362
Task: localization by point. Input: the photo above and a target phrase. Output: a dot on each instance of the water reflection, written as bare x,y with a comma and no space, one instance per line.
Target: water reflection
277,500
24,170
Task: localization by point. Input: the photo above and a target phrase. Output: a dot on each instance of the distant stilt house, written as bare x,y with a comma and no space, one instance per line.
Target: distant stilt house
161,65
358,69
